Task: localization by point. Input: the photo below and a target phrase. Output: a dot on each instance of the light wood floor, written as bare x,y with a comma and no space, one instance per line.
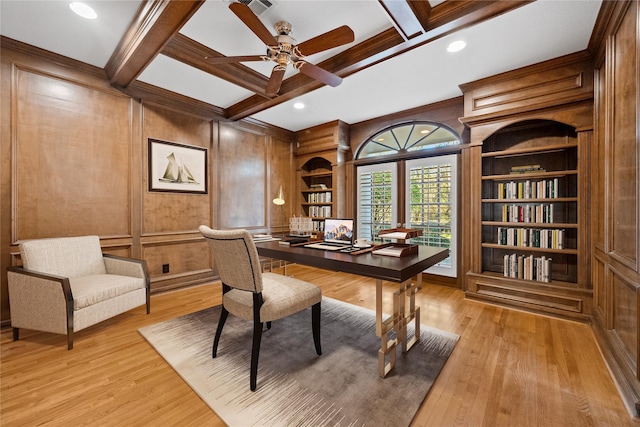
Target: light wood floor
509,368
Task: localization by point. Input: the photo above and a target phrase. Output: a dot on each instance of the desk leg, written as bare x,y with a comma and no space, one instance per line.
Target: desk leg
397,322
383,327
413,315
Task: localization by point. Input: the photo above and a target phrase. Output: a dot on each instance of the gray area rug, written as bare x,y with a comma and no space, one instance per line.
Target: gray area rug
296,387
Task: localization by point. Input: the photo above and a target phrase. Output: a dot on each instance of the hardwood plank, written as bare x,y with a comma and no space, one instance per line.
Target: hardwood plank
509,368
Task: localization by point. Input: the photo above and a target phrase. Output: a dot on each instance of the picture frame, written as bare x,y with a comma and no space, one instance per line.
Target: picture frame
177,168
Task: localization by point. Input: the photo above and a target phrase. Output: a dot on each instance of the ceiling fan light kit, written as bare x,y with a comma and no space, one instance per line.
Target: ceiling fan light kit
284,50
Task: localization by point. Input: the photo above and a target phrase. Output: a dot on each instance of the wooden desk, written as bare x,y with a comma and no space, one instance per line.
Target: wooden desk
382,268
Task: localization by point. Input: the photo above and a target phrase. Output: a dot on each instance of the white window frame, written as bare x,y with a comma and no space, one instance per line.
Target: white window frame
447,267
381,167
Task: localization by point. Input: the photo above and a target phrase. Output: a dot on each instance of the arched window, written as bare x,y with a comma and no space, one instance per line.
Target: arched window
408,138
414,187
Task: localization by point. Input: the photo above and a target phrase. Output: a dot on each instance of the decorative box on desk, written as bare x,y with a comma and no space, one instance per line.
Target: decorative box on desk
395,249
399,234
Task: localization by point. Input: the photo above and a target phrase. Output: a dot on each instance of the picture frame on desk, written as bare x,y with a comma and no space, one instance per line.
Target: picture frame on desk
177,168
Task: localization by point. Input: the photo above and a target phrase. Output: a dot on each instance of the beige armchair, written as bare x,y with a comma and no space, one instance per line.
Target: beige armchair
255,296
67,284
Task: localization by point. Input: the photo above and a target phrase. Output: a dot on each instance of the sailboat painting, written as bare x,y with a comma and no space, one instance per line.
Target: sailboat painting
177,167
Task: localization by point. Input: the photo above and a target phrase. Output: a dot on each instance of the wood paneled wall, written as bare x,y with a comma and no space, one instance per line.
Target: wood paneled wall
74,161
615,229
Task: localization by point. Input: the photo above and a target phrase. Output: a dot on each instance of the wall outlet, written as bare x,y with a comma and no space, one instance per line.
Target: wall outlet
165,268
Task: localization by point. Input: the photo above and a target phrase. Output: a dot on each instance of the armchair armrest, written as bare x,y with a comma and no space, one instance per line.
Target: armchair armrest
40,301
129,267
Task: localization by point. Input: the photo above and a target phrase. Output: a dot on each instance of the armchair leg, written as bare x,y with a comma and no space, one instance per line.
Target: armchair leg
315,324
255,352
223,318
70,341
16,334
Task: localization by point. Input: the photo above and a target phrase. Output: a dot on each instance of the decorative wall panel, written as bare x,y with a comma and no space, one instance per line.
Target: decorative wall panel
164,213
625,312
624,144
242,171
72,170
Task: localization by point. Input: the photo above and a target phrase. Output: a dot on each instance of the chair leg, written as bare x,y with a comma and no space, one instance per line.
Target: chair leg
255,352
223,318
268,325
16,334
315,324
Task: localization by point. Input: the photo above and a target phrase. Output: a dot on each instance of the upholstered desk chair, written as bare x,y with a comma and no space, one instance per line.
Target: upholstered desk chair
255,296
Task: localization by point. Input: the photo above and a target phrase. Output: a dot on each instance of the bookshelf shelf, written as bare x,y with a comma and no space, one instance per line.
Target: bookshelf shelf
530,224
526,201
530,249
531,175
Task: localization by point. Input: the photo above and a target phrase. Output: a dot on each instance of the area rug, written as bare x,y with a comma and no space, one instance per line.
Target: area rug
296,387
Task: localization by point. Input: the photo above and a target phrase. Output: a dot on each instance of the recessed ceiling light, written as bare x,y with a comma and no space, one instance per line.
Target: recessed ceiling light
298,105
83,10
423,131
456,46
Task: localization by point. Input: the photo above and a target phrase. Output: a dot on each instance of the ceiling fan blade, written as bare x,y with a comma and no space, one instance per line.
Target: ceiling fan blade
226,59
275,80
318,73
334,38
250,19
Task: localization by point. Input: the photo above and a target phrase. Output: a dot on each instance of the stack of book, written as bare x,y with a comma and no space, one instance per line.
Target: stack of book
526,169
262,237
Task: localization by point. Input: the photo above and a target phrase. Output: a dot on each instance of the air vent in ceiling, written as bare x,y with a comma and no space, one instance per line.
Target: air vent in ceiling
257,6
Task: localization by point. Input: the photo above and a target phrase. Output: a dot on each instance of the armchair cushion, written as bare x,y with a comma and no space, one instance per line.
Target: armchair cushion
90,290
65,257
283,296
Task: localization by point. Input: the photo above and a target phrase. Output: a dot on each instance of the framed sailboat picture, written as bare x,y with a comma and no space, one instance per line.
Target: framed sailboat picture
177,167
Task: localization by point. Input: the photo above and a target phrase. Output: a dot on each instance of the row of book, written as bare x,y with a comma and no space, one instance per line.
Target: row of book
319,211
319,197
532,237
543,189
542,213
527,267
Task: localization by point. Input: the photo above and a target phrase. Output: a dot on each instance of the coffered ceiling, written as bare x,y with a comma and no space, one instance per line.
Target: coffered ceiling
157,50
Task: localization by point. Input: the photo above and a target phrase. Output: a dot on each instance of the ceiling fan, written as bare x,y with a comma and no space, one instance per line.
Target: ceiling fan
283,50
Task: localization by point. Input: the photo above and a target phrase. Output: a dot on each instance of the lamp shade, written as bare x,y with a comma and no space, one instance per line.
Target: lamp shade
279,200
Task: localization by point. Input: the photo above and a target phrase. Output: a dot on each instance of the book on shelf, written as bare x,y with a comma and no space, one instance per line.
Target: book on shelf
527,267
318,187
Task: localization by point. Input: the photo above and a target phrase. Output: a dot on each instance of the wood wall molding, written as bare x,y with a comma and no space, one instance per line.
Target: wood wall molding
556,82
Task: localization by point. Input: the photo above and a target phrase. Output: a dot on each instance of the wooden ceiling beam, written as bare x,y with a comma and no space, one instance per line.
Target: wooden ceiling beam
156,22
190,52
444,19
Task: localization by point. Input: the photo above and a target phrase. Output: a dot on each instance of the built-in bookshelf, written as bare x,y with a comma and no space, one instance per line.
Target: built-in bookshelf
317,191
530,203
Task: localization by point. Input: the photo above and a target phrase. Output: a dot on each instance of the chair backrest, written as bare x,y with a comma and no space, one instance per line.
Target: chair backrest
236,258
64,256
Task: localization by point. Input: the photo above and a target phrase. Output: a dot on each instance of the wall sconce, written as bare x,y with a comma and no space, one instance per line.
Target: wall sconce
279,201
